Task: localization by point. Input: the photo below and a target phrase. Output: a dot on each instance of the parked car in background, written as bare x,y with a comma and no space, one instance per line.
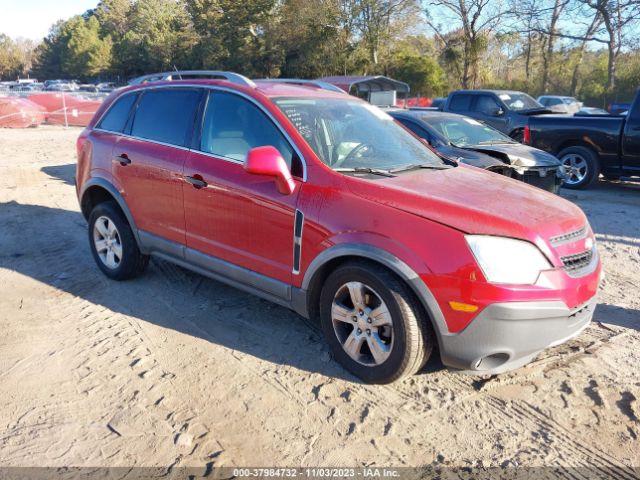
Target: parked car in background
590,145
320,202
60,86
88,87
504,110
592,111
618,108
468,141
560,104
106,87
438,102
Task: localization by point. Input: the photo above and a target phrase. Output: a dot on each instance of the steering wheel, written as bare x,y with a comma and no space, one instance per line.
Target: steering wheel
460,140
353,153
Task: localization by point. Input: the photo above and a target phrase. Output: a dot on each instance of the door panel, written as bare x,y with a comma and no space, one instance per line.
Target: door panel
239,217
631,138
152,185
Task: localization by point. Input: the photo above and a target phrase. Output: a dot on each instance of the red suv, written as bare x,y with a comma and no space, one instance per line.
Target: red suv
318,201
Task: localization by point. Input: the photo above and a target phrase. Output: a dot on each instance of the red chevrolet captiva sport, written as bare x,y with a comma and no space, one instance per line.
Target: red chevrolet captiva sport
299,193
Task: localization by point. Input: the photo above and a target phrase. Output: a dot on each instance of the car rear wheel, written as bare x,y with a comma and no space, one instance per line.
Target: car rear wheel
113,245
373,323
581,167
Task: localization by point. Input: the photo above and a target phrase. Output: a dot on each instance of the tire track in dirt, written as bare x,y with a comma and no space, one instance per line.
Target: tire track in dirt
523,412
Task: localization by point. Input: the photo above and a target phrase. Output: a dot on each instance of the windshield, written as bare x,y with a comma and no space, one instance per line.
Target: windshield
464,132
519,101
351,134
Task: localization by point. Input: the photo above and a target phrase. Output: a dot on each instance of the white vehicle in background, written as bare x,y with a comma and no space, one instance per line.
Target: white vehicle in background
560,104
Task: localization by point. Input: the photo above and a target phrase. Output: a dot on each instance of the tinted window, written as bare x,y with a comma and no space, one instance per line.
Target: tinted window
117,116
486,104
419,131
460,103
233,126
166,115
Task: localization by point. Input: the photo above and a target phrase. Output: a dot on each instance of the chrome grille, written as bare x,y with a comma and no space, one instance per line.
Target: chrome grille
573,264
568,237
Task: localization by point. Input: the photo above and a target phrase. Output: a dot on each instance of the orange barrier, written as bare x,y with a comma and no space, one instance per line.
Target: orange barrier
16,112
66,109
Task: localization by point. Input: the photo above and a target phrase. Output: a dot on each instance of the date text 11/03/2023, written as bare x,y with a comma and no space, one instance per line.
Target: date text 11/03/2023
364,472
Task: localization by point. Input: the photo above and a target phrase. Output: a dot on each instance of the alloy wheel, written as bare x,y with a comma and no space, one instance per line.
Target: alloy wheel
576,168
107,242
362,323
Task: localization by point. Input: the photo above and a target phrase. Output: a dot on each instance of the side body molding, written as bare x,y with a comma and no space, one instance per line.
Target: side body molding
385,258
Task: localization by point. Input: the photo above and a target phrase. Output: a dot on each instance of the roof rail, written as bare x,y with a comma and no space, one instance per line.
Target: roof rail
179,74
314,83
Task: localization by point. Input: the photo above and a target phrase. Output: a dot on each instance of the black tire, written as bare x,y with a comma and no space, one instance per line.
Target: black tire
413,337
133,262
590,159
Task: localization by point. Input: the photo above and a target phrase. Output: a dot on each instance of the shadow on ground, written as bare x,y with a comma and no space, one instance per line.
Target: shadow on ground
50,245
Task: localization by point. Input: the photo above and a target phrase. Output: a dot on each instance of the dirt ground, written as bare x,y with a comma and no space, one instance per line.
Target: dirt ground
177,369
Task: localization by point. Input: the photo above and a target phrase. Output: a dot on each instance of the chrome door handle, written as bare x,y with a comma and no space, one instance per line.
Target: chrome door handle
123,159
197,181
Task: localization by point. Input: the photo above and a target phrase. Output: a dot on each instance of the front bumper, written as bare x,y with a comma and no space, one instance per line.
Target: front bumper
548,179
505,336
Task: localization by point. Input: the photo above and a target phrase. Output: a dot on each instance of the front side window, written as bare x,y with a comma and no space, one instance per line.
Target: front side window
352,134
418,130
233,125
166,115
519,101
116,118
486,104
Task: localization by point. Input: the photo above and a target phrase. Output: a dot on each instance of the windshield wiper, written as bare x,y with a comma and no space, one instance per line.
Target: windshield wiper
421,165
373,171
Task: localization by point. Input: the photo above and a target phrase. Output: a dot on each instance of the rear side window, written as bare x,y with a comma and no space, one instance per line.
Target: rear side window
166,116
460,103
117,116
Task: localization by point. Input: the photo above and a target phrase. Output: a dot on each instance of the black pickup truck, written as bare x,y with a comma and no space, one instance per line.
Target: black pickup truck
590,145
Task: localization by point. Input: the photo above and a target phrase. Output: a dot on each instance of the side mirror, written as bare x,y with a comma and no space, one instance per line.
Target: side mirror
498,112
268,161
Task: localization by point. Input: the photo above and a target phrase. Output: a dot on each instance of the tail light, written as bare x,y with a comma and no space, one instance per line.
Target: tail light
526,135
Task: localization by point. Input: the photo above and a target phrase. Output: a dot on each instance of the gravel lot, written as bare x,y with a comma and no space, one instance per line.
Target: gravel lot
176,369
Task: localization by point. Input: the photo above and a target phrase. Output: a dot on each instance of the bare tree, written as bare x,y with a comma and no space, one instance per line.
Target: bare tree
378,20
591,29
477,19
617,16
610,26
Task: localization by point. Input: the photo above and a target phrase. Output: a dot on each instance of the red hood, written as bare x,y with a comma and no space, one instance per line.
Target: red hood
475,201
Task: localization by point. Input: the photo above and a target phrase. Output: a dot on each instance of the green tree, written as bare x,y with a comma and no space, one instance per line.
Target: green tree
160,36
232,34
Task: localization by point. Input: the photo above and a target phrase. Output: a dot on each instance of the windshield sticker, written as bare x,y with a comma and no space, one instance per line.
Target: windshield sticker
505,97
472,121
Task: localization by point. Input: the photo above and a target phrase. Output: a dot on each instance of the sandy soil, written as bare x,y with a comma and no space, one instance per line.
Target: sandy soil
176,369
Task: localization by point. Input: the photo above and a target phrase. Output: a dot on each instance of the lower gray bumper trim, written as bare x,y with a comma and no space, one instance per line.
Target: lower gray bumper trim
505,336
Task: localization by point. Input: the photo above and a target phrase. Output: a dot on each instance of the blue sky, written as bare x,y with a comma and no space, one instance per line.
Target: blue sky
32,18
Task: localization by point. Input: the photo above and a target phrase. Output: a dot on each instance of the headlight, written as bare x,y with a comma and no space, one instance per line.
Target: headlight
505,260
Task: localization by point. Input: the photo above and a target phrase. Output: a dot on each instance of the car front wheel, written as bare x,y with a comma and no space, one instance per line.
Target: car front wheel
113,245
373,323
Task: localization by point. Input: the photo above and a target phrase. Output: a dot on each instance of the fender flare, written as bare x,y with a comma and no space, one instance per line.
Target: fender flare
394,264
117,196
